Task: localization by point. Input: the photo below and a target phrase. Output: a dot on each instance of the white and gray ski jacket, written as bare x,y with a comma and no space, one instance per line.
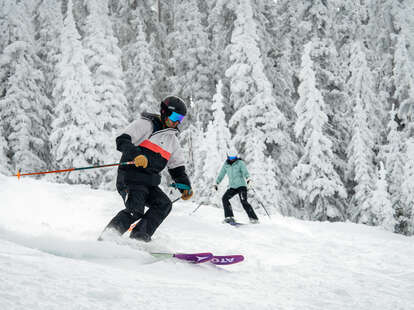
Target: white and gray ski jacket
160,145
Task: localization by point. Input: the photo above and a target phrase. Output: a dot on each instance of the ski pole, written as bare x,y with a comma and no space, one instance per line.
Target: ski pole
175,200
18,175
260,202
194,211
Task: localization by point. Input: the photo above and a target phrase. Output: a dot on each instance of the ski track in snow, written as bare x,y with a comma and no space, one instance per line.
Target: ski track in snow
50,259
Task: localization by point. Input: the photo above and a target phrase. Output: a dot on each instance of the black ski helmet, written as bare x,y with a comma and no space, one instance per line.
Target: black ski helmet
172,104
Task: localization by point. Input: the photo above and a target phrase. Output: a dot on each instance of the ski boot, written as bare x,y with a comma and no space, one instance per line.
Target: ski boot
229,220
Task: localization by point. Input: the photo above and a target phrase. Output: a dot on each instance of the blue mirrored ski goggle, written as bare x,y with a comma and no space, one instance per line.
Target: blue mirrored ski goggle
232,157
176,117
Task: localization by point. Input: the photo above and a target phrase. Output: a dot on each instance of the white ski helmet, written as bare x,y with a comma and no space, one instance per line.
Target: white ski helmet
232,153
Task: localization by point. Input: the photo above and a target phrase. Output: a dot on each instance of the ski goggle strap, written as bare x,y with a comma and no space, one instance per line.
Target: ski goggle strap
176,117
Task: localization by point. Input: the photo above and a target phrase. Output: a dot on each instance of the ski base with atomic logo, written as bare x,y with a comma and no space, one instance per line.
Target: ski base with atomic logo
197,258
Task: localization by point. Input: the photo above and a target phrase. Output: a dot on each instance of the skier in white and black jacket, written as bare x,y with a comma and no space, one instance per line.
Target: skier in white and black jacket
151,142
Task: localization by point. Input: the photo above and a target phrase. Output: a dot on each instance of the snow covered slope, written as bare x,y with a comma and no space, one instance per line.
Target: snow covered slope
49,258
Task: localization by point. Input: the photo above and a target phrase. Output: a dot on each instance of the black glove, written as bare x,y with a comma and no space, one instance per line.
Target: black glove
215,186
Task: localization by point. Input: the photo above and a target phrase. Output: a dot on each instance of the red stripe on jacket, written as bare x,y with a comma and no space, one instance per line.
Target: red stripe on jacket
156,149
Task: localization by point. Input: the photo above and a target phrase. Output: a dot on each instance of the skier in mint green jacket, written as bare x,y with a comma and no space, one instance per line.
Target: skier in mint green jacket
236,170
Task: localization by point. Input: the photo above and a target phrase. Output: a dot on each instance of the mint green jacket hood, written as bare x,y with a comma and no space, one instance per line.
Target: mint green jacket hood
237,173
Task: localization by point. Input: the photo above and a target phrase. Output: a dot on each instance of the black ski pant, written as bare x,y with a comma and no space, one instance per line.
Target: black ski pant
242,191
136,199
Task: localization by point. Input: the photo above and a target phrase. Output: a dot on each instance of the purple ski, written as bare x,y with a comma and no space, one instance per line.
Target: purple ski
226,259
198,258
195,258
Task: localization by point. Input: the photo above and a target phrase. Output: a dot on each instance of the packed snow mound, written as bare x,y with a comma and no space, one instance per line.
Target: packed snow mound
49,258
